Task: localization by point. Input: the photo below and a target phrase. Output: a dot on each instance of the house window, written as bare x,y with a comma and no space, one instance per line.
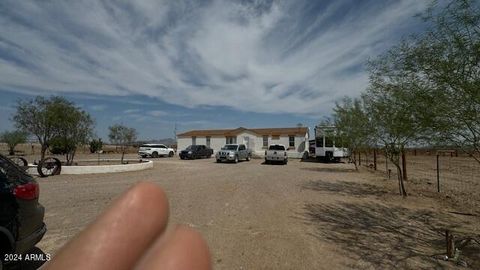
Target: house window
265,141
194,140
231,140
291,141
208,141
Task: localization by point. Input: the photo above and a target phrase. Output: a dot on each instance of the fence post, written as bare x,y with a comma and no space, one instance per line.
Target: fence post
375,159
450,244
386,165
438,172
404,166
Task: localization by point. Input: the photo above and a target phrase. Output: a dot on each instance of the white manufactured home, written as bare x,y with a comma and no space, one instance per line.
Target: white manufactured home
256,139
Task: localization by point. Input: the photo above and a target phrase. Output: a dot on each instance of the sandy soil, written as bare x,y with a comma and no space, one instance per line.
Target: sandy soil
459,177
304,215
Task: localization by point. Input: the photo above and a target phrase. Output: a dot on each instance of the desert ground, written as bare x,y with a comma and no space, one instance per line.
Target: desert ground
305,215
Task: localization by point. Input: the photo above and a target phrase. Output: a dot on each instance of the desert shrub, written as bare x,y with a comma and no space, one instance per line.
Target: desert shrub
95,145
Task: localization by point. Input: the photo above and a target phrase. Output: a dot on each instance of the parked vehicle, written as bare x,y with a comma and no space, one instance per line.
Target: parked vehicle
21,216
276,153
155,151
328,146
233,152
196,151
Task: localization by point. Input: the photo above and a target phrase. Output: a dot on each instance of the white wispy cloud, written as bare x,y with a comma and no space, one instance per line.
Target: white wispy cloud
257,56
157,113
98,108
131,111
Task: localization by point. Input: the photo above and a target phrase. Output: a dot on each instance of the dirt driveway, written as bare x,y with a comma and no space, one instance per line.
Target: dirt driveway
304,215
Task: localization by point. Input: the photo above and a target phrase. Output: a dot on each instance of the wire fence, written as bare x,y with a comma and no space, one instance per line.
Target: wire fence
447,172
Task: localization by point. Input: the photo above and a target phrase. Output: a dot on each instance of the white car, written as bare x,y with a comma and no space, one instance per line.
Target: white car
276,153
155,150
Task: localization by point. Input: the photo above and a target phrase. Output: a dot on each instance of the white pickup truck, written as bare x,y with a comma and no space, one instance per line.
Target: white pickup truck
276,153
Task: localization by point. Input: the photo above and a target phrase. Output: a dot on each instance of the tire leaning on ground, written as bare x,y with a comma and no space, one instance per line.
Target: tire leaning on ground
49,166
170,154
236,159
248,158
155,155
20,161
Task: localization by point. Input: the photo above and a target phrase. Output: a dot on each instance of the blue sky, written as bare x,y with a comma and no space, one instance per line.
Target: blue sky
200,64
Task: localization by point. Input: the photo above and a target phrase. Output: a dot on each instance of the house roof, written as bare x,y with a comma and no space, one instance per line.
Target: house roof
236,131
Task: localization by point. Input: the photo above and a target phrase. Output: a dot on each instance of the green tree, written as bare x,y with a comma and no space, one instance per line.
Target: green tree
395,102
57,146
447,57
12,139
122,136
427,89
352,125
56,119
39,117
75,129
95,145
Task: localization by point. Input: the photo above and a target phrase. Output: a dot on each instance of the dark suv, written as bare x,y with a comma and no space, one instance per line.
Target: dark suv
196,151
21,216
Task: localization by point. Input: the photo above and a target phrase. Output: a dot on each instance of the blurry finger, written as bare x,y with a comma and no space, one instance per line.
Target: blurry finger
181,249
120,235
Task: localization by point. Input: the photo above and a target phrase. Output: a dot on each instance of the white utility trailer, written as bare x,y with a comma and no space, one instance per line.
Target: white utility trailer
328,145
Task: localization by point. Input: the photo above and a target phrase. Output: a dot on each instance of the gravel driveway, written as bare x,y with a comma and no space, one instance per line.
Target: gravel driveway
304,215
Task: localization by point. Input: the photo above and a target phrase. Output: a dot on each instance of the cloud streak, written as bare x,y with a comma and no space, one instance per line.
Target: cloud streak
257,56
